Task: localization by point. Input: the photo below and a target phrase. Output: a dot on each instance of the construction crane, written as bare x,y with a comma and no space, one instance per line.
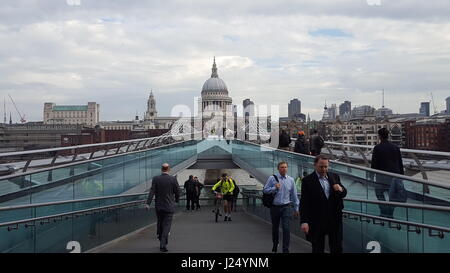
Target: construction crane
22,118
432,100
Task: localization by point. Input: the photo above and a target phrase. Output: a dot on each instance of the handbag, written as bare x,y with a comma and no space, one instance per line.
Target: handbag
267,198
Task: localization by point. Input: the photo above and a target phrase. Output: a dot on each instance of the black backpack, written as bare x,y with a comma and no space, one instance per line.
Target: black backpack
319,142
236,189
301,147
267,198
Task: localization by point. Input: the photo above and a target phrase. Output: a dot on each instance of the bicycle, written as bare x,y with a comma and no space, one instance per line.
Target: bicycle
218,203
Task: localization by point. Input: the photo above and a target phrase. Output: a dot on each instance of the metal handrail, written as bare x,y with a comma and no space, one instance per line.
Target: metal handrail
69,213
413,154
69,201
438,153
409,178
404,177
73,201
36,205
60,215
83,146
401,222
403,150
396,204
437,228
86,161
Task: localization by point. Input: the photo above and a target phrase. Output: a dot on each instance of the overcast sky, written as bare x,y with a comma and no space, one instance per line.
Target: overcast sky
114,52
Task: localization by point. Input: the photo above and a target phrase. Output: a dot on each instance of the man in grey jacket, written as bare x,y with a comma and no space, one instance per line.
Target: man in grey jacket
166,190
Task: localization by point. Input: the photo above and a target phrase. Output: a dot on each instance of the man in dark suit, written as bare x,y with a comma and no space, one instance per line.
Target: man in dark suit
284,141
316,143
166,190
190,188
387,157
321,207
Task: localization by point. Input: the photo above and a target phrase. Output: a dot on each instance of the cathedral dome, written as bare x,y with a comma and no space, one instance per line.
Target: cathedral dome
215,84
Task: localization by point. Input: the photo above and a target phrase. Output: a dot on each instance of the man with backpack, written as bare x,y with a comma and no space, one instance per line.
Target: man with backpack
226,189
301,146
282,187
316,142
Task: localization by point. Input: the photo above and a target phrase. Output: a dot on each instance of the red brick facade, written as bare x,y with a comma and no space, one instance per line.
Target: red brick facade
433,136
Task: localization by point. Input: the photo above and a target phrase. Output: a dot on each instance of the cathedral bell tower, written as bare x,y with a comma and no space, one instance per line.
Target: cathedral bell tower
151,108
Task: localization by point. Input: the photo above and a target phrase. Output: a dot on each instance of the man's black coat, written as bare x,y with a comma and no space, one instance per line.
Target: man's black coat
322,215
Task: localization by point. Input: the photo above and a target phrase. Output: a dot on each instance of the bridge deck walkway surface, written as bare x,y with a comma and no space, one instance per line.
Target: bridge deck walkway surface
197,232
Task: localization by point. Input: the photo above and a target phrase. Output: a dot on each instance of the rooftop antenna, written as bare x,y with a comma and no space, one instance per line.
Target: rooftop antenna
383,99
4,110
434,107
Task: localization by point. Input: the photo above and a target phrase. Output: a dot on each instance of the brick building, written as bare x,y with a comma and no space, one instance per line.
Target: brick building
431,134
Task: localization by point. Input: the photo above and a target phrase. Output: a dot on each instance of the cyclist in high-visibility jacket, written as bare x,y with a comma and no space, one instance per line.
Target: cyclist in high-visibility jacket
226,188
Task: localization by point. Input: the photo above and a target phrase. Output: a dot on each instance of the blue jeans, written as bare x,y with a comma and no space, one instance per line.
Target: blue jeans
282,214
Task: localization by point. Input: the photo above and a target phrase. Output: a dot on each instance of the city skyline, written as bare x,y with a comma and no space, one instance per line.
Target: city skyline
114,53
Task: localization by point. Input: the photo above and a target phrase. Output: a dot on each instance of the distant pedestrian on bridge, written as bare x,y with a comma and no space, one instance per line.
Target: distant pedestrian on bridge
321,207
198,190
316,143
284,141
301,146
387,157
191,193
166,190
285,196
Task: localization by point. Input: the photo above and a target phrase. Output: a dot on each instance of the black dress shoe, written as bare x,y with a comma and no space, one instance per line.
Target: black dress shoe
225,219
163,249
274,248
229,219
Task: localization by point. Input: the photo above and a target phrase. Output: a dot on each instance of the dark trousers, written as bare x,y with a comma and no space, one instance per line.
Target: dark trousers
334,241
163,227
385,210
196,202
233,203
190,200
281,214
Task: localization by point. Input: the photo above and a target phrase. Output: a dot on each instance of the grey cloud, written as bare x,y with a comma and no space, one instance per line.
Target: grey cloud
26,11
169,45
